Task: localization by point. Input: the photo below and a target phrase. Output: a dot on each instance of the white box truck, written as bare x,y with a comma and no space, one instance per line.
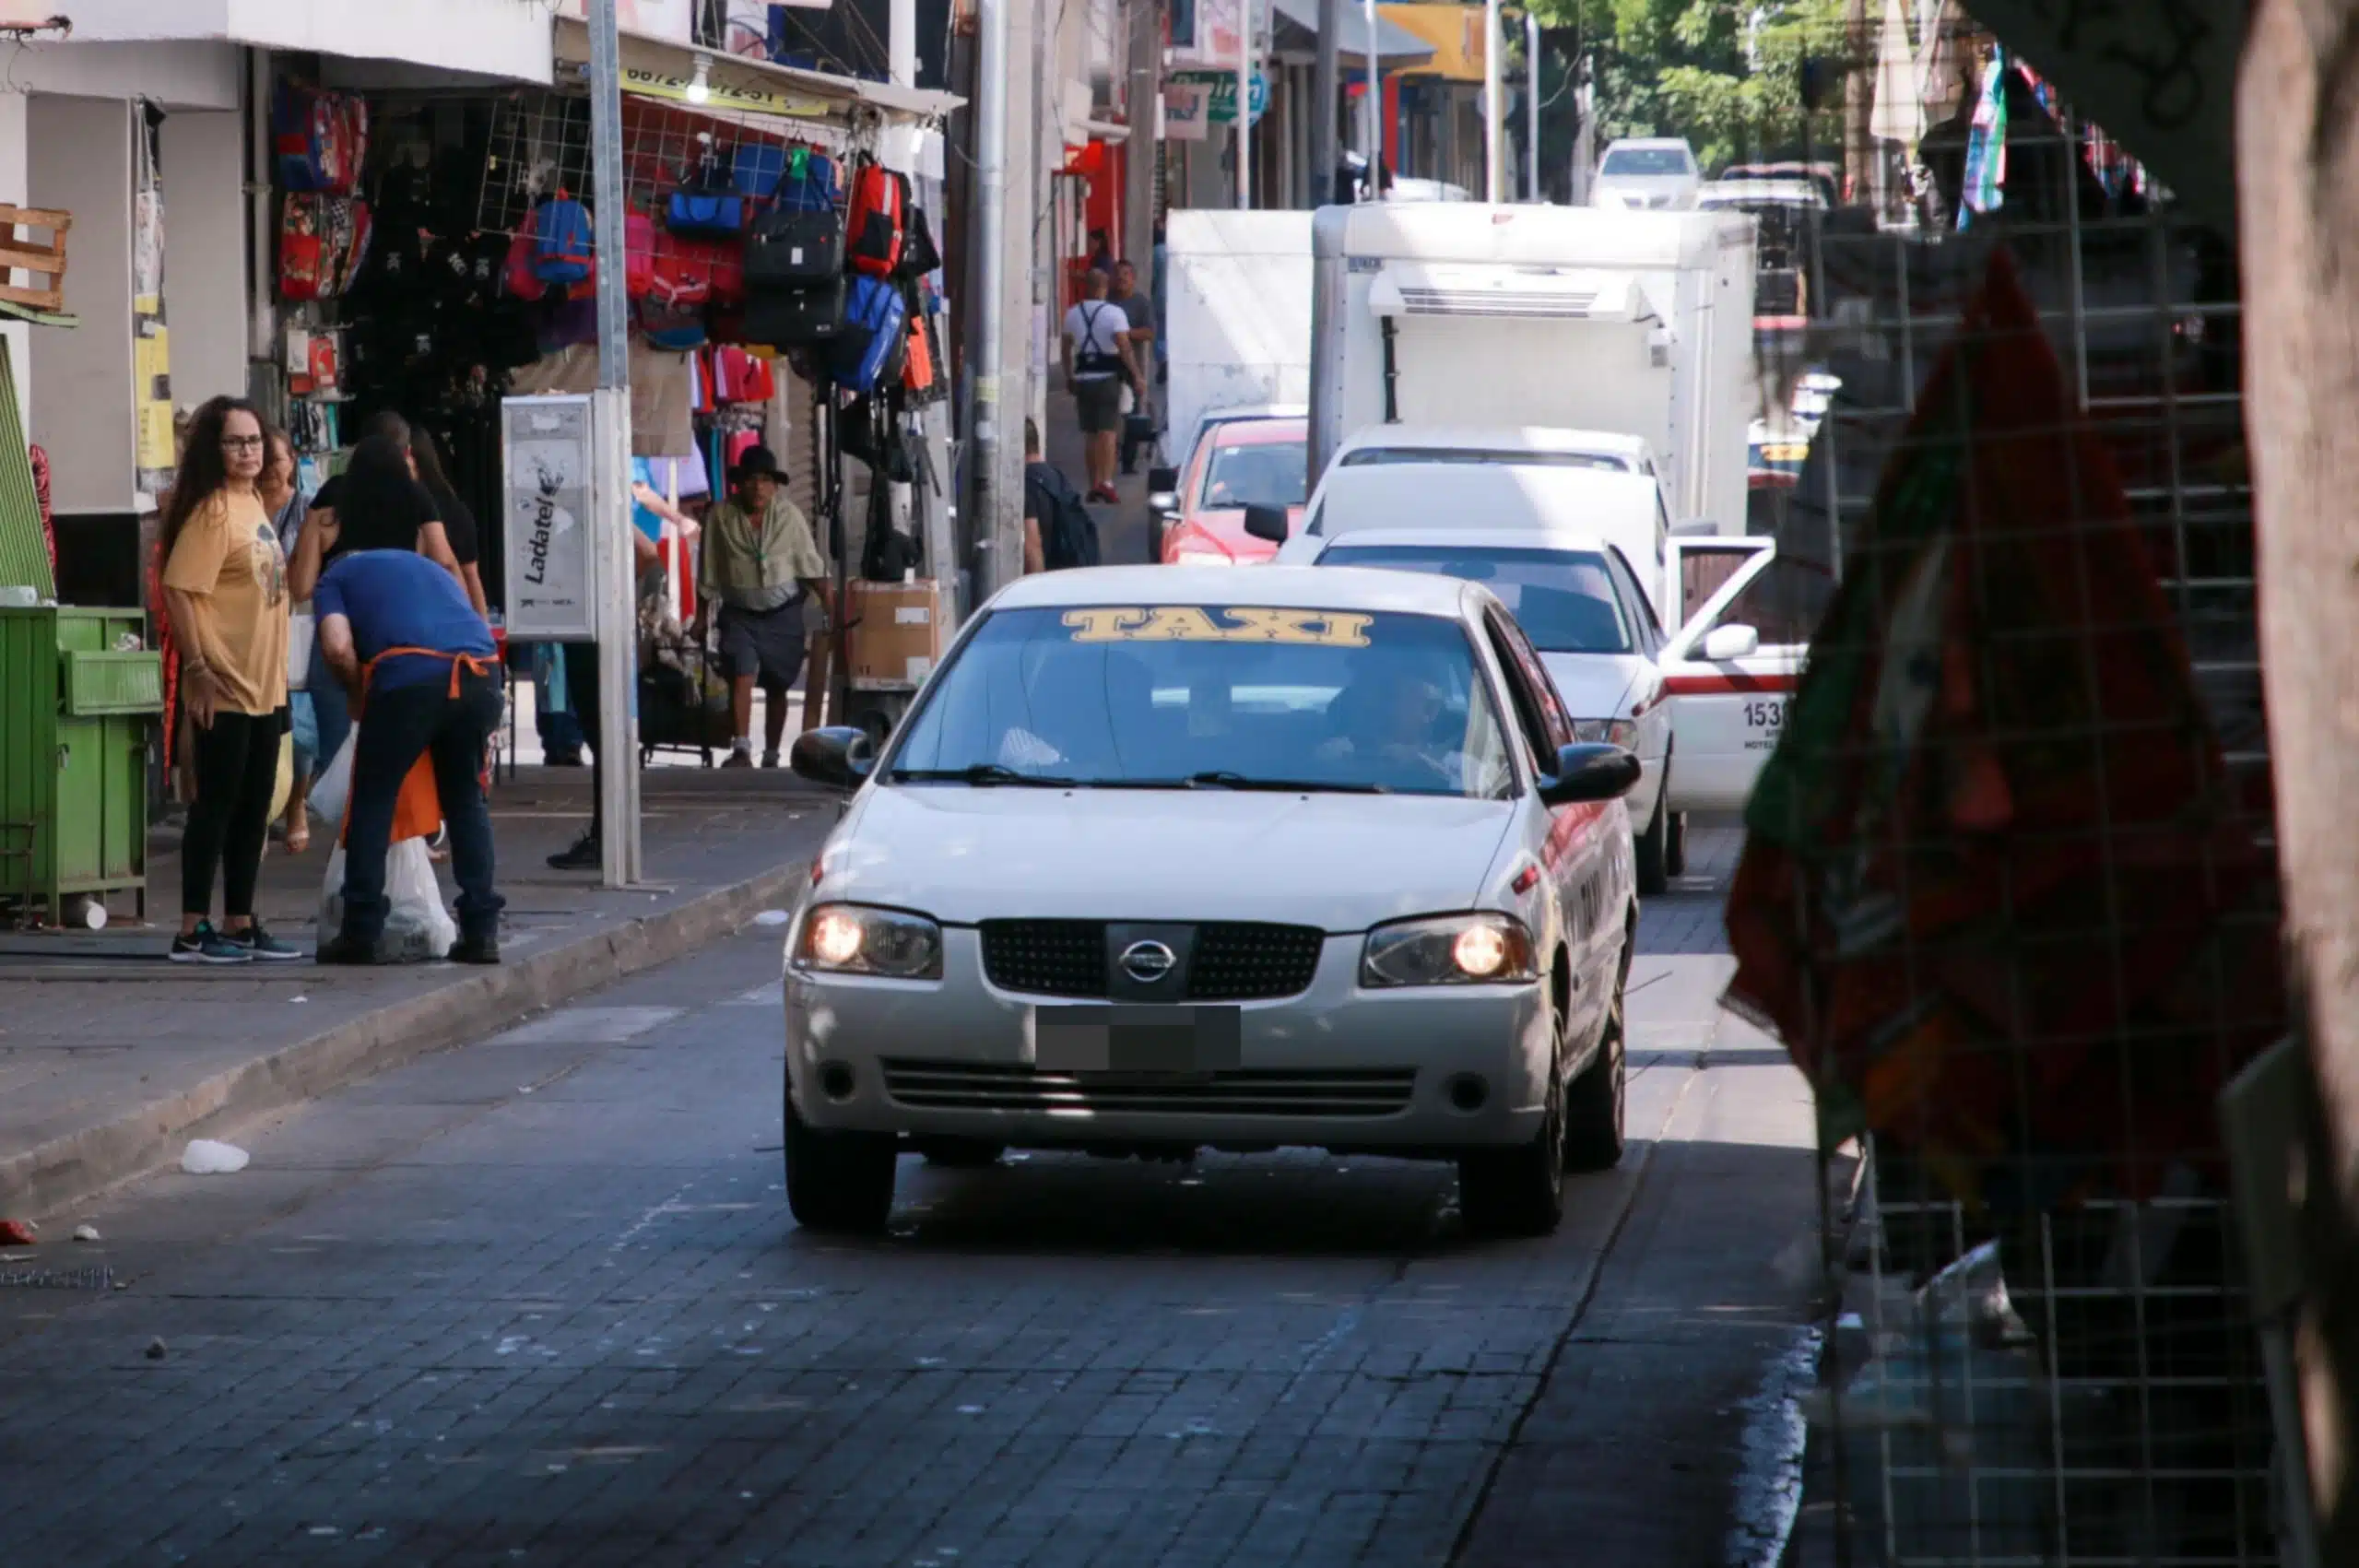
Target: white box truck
1574,318
1236,316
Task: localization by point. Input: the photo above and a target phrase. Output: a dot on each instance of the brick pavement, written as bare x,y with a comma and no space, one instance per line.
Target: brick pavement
538,1301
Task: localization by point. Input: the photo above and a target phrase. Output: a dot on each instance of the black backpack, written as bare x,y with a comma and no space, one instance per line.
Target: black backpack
1068,535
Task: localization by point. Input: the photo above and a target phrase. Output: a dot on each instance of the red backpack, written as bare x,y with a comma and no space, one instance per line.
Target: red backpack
302,246
873,233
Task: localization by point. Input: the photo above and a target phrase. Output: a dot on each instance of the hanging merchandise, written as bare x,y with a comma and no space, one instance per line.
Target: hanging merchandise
638,255
301,249
810,185
756,169
320,140
917,376
314,361
874,231
919,254
672,326
707,203
564,250
680,271
793,250
346,229
869,352
802,318
567,322
518,276
1985,159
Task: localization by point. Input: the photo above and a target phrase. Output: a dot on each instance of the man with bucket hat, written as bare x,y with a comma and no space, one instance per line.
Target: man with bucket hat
759,562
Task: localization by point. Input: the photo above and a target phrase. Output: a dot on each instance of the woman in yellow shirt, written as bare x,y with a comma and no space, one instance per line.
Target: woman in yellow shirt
225,589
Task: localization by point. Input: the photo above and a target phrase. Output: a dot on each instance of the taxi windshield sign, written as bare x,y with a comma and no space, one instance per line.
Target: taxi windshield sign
1243,623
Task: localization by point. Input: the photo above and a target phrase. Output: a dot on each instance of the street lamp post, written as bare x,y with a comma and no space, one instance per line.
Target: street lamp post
616,573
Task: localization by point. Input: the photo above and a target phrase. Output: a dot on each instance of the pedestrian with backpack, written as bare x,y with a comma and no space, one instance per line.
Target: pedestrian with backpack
1058,530
1099,363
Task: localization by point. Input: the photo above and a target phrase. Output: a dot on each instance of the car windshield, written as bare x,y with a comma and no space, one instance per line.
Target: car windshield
1563,599
1265,474
1179,697
1646,160
1483,457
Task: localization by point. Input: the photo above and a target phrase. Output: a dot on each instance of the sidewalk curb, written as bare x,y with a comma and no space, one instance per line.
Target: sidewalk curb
76,1166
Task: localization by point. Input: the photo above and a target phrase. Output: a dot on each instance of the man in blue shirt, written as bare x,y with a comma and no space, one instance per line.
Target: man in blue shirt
399,632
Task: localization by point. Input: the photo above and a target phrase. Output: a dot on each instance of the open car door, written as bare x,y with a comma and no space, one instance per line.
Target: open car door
1729,670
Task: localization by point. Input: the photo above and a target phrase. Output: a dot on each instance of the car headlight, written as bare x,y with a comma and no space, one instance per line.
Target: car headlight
1448,950
1607,732
851,938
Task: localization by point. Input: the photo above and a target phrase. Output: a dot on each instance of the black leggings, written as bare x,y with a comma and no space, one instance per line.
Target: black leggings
237,769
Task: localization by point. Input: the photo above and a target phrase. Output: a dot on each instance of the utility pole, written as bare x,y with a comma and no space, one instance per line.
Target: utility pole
1144,148
1531,106
997,413
617,574
1324,162
1495,110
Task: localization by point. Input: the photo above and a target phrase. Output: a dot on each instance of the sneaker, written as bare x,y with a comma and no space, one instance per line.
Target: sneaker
769,758
561,760
475,949
259,943
344,950
205,945
585,856
739,759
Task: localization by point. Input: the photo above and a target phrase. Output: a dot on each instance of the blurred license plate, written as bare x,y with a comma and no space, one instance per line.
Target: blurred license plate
1135,1038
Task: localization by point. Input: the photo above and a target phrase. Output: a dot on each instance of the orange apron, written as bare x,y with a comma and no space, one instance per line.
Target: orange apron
418,810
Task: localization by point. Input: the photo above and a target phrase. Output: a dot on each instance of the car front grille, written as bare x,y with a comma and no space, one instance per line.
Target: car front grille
1046,957
1237,962
1260,1091
1233,960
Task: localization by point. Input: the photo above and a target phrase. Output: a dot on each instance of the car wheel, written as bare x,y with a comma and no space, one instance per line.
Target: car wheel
1675,839
960,1153
1520,1192
1595,1106
1654,874
838,1181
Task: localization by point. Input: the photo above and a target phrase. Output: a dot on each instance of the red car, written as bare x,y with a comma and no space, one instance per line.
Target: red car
1237,464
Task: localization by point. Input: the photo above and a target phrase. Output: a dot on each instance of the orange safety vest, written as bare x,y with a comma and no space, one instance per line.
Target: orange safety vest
418,810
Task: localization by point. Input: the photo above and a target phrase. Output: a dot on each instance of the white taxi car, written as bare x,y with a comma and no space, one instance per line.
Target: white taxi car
1577,598
1166,858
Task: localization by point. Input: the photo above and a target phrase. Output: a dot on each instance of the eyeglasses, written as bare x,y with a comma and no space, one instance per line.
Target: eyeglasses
242,444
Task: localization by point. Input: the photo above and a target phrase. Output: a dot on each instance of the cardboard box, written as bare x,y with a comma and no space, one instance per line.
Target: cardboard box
896,632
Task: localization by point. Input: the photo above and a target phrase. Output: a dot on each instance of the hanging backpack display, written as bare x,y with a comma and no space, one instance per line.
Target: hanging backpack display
873,234
679,271
639,255
301,247
320,140
809,182
756,169
673,327
917,369
869,352
516,275
800,319
710,213
564,252
919,255
793,250
345,230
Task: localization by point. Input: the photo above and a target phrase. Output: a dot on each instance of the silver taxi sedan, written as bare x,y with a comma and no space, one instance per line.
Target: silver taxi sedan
1167,858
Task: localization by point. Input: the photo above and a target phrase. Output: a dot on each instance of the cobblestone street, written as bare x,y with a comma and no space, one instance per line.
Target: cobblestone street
539,1299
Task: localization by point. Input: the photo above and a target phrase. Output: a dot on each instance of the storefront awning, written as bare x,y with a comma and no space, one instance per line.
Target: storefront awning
1435,289
1296,26
655,67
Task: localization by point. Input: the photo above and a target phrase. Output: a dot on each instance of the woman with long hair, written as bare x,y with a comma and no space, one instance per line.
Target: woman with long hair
282,496
225,589
458,519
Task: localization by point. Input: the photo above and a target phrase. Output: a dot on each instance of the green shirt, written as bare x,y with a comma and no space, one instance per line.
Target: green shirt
758,566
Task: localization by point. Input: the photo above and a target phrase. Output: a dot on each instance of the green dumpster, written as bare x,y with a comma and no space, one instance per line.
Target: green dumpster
79,692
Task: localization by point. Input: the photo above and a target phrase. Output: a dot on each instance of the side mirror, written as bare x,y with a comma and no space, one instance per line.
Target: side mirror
1725,642
1163,503
839,756
1267,522
1161,481
1590,772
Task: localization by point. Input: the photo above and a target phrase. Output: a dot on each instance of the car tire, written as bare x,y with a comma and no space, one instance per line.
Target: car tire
1520,1191
1596,1106
1675,840
960,1153
838,1181
1653,872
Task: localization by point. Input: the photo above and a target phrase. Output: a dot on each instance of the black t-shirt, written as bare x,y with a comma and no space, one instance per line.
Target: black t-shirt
419,508
458,526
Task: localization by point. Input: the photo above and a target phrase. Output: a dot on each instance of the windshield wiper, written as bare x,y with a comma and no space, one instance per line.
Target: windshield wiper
980,774
1225,778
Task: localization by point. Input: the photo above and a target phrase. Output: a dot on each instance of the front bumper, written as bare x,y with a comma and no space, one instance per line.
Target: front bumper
1335,1066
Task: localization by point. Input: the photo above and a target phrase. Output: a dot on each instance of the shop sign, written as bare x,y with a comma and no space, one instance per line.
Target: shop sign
735,97
546,446
1220,96
1206,33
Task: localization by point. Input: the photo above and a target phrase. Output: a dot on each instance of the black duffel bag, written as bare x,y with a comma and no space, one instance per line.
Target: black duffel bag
788,249
794,318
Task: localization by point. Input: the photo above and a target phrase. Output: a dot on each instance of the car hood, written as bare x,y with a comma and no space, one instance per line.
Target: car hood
1339,862
1595,686
1223,529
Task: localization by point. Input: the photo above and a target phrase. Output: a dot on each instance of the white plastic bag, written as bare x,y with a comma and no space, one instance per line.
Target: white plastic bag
334,790
418,929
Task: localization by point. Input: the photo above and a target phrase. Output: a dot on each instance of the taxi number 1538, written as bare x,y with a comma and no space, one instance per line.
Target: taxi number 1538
1769,714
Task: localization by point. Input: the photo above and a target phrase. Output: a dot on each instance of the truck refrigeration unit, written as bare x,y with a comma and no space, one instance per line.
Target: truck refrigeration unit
1572,318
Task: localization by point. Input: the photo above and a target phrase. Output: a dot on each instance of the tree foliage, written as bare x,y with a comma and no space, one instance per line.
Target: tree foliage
1723,73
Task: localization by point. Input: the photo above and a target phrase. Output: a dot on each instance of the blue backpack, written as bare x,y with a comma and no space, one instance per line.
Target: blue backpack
565,250
809,184
868,353
755,168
